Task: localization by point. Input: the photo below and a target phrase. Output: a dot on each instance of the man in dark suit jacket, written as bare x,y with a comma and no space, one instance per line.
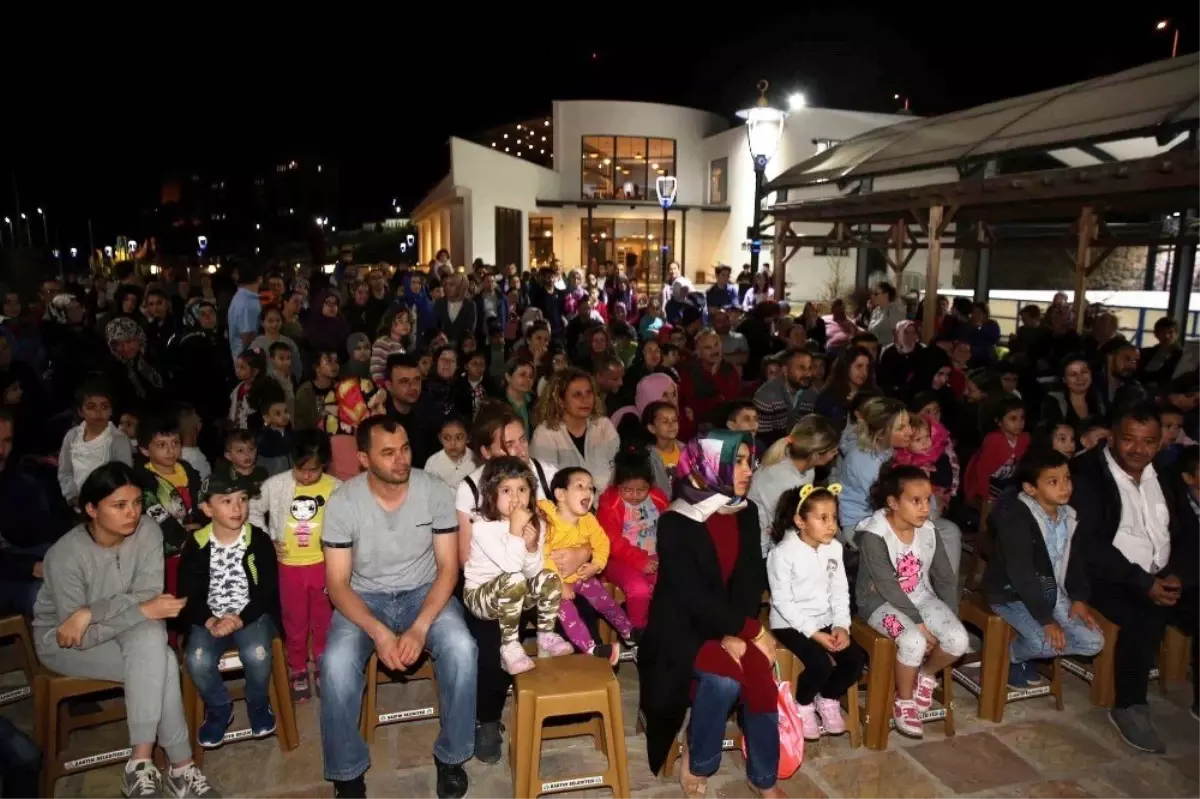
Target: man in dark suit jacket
1130,527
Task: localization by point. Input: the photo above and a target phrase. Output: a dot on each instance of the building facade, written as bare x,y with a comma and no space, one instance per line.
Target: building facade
579,186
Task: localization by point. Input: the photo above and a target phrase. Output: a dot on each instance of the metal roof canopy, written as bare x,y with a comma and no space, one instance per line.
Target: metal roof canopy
1150,185
1160,99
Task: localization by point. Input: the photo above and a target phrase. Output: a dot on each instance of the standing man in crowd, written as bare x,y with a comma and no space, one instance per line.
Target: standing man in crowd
244,309
391,564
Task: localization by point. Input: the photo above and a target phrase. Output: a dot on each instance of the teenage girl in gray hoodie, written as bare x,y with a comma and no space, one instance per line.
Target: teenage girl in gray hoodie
101,615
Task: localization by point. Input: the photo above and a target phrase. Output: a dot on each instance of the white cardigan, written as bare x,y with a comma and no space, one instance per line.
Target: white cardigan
275,498
600,447
809,590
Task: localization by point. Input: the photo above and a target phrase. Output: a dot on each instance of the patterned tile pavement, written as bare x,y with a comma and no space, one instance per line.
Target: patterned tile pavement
1036,752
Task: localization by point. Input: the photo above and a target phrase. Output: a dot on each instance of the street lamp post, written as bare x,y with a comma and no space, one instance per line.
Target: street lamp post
666,187
11,234
28,230
764,128
45,231
1162,25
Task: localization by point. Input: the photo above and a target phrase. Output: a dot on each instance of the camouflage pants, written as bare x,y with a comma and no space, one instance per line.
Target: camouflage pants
506,597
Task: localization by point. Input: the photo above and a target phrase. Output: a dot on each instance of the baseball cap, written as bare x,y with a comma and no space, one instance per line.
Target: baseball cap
224,481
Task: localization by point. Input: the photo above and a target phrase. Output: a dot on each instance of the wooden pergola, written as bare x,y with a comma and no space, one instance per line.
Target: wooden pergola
918,218
1113,149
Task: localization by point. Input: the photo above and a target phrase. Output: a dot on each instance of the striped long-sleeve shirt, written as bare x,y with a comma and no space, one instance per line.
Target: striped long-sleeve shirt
384,347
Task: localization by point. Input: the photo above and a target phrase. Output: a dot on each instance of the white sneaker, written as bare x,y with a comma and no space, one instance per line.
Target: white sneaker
191,783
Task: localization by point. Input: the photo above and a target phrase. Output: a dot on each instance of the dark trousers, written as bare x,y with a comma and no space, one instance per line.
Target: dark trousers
829,674
1142,626
1186,616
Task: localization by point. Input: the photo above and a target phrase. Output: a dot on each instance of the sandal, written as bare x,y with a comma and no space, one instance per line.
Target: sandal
693,787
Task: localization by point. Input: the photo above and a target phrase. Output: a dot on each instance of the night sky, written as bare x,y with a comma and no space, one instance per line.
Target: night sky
382,97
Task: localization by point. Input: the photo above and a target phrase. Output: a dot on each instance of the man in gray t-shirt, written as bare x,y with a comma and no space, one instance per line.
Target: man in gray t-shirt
391,564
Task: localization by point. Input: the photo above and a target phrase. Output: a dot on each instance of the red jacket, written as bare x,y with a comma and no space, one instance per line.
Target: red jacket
610,512
993,453
702,392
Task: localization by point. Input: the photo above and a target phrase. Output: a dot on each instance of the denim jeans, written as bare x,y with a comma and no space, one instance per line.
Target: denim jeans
253,644
715,698
347,650
1031,644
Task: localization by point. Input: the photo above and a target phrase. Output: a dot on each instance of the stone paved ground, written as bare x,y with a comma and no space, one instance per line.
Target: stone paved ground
1036,752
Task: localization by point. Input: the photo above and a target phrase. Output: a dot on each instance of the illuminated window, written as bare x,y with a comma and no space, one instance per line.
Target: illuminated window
718,181
624,167
636,243
541,240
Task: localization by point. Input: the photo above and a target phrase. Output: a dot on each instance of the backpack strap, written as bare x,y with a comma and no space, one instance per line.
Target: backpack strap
474,489
537,467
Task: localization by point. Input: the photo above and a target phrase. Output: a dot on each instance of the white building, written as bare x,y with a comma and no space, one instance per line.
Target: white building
604,157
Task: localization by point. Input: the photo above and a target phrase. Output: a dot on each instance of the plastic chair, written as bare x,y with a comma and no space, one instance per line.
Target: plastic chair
577,685
370,717
278,690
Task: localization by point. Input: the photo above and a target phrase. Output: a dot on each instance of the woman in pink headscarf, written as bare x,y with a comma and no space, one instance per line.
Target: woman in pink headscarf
656,387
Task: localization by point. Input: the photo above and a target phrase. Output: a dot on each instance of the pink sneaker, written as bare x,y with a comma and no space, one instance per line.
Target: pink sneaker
552,645
923,691
514,660
830,711
809,724
908,720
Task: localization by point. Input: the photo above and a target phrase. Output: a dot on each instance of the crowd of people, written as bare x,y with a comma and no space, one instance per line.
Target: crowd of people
440,463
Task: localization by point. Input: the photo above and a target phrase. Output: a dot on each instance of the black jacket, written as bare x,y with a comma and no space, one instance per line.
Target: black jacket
691,605
1020,568
162,503
1184,562
1097,504
262,574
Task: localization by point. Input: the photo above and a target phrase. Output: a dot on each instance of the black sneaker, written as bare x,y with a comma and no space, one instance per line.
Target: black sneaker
489,741
451,780
350,789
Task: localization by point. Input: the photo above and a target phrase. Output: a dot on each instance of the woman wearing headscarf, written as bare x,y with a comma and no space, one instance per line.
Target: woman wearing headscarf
200,369
133,381
72,346
898,360
704,639
325,329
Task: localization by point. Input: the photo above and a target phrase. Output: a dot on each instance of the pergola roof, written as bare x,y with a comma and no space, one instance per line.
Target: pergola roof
1166,182
1159,99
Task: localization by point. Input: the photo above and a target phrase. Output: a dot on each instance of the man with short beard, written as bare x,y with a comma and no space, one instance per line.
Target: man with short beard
782,400
391,565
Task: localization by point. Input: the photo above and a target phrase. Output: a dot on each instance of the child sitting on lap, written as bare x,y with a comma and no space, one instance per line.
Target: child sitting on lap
571,524
504,574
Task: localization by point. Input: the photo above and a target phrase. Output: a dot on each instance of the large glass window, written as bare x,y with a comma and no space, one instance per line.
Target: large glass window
636,243
625,167
598,153
718,181
541,240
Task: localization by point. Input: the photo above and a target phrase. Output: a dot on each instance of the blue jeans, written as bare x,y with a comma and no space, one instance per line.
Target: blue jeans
1031,644
253,643
347,650
715,698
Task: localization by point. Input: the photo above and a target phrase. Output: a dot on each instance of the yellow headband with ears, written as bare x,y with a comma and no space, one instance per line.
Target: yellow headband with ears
805,491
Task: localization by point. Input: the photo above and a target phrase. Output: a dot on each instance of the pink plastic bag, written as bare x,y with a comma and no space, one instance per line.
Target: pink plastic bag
791,734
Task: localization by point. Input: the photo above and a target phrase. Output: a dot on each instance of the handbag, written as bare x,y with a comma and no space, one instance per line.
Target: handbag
791,733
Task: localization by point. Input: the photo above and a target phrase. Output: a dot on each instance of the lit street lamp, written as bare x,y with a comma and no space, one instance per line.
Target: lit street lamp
28,229
11,234
764,129
1162,25
666,187
45,232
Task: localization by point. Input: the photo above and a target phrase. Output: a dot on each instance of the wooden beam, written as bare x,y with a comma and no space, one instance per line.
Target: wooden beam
1087,227
929,323
1095,263
782,229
